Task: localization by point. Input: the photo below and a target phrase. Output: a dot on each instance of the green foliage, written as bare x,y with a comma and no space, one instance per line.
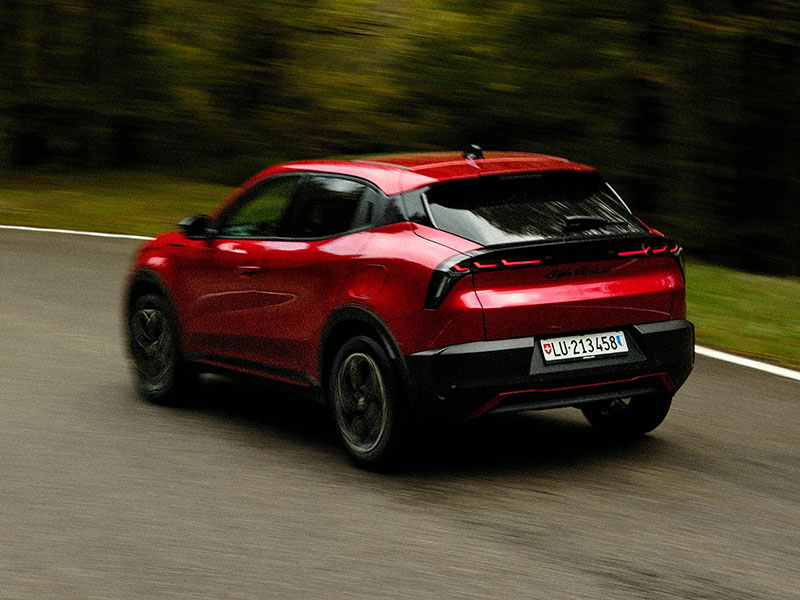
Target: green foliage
687,107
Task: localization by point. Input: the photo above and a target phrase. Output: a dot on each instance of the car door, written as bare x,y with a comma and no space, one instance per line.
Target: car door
306,268
275,268
223,280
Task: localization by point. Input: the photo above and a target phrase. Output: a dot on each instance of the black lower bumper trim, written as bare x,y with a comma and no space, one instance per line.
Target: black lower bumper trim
468,380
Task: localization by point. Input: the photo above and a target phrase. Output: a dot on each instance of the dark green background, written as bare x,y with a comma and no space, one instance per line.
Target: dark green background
688,108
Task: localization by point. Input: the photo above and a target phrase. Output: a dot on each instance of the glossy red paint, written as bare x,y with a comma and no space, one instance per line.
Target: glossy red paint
455,243
263,301
458,320
267,301
585,296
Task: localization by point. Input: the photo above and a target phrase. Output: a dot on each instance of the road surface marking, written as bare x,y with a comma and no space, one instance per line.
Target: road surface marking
73,232
748,362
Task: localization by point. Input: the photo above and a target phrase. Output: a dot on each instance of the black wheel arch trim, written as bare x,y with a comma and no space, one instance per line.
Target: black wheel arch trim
150,277
279,375
376,325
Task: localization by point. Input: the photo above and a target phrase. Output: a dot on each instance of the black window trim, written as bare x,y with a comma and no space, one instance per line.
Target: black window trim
380,201
416,196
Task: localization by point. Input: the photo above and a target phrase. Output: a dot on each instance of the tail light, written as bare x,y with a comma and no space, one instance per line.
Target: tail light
450,271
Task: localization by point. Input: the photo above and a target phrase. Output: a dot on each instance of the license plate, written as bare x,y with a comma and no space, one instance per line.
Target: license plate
584,346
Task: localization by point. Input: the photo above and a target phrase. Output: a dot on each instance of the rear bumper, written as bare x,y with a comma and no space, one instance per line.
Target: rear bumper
467,380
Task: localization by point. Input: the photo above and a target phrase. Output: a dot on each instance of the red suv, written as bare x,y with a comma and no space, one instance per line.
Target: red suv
426,287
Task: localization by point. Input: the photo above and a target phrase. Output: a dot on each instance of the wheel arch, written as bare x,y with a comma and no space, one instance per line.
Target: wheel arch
351,321
142,282
146,281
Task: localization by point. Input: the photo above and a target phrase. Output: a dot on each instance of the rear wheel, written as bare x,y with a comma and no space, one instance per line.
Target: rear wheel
161,374
366,402
629,417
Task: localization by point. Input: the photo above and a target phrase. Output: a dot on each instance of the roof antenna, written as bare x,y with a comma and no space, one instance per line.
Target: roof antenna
473,152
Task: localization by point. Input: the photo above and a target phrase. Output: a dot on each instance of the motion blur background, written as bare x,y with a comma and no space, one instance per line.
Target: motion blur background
688,107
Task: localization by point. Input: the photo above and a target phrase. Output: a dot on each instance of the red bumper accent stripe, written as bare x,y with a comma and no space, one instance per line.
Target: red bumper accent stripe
665,380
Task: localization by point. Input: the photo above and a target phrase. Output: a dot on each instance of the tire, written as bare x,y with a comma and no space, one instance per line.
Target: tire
161,374
629,417
367,404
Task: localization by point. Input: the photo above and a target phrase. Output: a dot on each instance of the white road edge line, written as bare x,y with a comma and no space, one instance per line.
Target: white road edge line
716,354
74,232
748,362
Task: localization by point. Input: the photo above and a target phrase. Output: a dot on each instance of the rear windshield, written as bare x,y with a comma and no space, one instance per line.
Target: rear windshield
529,207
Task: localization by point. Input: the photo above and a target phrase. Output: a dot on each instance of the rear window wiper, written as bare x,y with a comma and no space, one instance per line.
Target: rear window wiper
581,222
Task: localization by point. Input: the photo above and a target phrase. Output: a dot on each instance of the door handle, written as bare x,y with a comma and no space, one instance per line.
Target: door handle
248,270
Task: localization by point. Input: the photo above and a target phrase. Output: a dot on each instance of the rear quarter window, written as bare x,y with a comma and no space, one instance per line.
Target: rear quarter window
325,206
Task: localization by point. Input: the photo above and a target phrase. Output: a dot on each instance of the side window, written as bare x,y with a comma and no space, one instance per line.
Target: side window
326,206
261,210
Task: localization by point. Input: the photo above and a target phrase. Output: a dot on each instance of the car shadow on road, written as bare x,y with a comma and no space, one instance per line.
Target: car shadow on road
271,409
531,441
534,441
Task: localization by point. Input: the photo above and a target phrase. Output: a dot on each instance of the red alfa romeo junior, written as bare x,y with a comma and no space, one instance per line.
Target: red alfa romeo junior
427,287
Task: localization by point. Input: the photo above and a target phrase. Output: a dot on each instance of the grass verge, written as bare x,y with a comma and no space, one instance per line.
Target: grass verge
134,203
753,315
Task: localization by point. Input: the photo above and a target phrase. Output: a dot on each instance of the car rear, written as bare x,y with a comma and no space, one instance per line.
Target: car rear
581,302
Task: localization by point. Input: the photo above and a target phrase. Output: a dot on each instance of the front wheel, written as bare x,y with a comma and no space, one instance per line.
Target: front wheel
629,417
366,402
161,375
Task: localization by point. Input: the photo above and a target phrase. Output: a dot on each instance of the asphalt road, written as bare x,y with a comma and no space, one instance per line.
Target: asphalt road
246,494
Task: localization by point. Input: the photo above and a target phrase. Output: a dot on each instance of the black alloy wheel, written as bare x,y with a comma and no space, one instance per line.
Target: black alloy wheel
367,407
154,344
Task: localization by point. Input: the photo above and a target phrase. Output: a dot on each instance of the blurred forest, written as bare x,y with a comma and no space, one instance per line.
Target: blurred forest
688,107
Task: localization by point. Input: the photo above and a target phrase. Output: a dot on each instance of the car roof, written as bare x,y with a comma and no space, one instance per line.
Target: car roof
397,173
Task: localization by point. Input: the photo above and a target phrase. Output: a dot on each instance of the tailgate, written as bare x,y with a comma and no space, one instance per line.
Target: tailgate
577,297
586,286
